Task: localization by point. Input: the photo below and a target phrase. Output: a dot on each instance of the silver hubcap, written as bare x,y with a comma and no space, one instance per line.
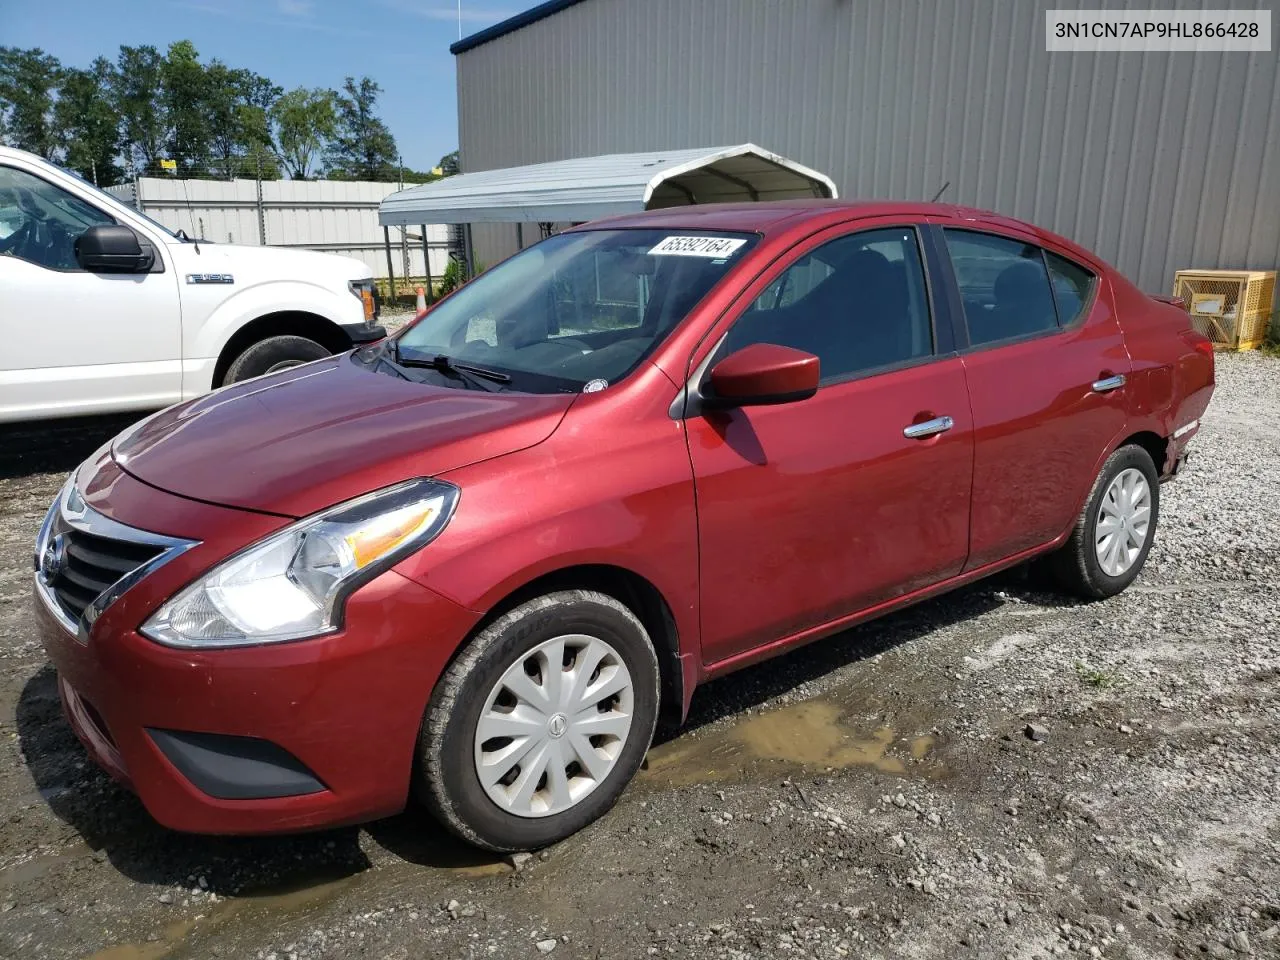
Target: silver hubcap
1124,519
554,726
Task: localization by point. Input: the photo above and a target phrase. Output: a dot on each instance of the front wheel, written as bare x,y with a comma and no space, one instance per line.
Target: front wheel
540,722
273,355
1113,535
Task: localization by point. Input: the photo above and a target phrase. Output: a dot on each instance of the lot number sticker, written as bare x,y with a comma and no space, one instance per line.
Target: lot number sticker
714,248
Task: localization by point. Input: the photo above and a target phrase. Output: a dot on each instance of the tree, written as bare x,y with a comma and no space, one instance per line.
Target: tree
237,102
449,164
186,98
87,122
305,123
363,148
28,79
135,95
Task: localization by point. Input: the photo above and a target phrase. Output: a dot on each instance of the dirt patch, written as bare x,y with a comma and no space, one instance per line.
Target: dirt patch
872,795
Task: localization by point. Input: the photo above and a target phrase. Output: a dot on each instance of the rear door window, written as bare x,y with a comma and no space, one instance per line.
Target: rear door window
1004,286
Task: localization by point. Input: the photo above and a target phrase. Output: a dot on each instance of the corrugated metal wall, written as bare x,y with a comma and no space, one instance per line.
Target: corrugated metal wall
333,216
1157,161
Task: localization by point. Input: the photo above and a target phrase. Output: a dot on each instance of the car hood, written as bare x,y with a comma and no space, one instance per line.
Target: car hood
298,441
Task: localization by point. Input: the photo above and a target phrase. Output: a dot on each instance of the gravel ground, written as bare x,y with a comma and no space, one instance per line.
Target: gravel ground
394,320
996,773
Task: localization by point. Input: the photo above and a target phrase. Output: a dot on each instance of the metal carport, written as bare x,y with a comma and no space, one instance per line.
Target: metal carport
587,188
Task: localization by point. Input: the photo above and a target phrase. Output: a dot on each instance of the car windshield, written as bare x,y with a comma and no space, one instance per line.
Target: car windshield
579,310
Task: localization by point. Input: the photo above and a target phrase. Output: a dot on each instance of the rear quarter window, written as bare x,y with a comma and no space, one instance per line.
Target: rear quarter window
1072,287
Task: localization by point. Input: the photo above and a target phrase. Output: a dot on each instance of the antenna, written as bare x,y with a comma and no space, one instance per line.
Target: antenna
459,19
191,216
941,191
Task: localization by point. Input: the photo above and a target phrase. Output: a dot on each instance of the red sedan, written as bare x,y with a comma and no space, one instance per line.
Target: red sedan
485,556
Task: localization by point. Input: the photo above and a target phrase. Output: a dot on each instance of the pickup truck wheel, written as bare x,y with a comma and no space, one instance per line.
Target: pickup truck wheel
540,722
1114,532
273,355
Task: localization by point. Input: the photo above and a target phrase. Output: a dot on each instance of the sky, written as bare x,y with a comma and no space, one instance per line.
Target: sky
402,44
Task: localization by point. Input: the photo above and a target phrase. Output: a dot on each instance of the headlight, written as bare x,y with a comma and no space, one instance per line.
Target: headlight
367,293
292,584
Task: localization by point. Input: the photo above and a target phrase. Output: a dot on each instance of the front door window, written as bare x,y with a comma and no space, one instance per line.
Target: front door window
39,222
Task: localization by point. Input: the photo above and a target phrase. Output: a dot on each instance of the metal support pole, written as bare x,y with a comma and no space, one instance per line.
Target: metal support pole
519,236
426,263
262,216
391,273
469,251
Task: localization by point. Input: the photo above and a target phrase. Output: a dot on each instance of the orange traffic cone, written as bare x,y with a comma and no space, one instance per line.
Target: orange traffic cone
422,300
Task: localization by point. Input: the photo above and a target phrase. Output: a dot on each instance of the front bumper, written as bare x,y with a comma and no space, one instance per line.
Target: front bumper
266,739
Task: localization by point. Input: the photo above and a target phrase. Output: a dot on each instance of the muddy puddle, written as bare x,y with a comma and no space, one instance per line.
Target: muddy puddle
810,736
184,937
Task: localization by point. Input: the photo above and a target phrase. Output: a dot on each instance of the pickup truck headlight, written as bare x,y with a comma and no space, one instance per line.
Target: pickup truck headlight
367,293
293,583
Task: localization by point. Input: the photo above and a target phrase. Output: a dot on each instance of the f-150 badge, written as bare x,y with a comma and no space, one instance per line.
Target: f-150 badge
210,278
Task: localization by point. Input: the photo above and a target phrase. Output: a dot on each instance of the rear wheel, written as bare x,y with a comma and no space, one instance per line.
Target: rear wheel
273,355
1113,534
540,722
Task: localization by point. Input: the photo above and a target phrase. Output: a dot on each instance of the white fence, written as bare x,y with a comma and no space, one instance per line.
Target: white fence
333,216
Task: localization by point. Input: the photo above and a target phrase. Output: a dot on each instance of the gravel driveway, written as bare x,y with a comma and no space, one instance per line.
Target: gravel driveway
999,772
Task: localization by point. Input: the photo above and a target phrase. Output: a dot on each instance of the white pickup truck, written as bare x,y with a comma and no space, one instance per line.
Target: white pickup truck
103,310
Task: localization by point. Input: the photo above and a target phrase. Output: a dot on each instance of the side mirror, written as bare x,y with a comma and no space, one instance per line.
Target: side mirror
763,373
111,248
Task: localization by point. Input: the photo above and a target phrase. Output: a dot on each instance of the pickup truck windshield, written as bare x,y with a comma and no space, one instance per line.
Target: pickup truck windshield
578,309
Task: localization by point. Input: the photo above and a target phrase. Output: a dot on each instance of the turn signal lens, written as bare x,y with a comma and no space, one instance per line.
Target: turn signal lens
388,532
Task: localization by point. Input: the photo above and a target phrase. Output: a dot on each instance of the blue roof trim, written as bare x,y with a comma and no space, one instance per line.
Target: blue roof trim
540,12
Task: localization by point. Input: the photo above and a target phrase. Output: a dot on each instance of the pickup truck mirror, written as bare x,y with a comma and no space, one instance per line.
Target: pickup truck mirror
111,248
763,373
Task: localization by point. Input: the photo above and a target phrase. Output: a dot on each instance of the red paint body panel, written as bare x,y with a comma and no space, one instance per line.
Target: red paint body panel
303,439
760,528
611,487
1040,431
808,512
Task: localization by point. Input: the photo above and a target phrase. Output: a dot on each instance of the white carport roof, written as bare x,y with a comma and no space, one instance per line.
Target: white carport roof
588,188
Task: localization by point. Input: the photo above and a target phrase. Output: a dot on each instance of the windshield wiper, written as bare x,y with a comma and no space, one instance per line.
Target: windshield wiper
481,377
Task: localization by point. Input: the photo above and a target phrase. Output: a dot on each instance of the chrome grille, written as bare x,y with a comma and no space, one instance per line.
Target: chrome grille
92,565
85,560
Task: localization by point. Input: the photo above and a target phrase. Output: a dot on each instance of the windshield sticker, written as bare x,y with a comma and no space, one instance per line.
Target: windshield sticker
715,248
594,386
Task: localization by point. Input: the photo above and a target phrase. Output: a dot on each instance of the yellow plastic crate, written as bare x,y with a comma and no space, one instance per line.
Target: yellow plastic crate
1230,307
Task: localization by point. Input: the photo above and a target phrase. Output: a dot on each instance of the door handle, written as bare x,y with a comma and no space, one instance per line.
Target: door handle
918,431
1107,384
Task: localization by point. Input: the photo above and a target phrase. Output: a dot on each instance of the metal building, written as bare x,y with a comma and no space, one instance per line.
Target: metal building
1157,161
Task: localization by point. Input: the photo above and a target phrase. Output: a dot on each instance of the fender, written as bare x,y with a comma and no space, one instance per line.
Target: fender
637,515
205,340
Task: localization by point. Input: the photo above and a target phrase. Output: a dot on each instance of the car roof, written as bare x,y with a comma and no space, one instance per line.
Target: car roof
771,216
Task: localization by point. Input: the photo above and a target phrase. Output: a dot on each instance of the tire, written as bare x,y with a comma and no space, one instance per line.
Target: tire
450,752
1077,566
272,355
